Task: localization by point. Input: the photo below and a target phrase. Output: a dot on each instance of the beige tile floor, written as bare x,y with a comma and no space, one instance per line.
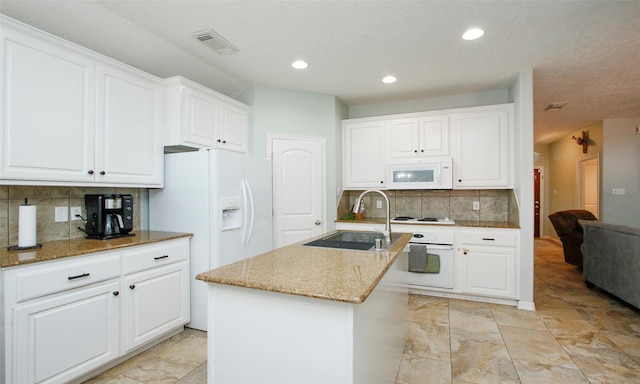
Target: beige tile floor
576,335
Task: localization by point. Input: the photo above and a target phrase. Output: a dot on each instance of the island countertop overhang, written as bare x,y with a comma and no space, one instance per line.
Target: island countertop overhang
331,274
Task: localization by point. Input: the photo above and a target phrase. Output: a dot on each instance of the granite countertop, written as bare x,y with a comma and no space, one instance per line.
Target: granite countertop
458,223
325,273
76,247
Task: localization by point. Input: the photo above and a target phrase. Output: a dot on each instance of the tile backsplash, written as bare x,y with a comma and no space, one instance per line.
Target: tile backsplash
47,199
494,204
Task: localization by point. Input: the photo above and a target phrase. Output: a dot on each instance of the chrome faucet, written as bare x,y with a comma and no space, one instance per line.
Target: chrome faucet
387,228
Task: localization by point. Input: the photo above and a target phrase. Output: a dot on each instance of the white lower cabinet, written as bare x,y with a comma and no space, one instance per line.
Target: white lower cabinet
64,319
488,262
70,334
155,298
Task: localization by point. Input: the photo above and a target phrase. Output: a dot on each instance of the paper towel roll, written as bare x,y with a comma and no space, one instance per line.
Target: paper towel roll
27,226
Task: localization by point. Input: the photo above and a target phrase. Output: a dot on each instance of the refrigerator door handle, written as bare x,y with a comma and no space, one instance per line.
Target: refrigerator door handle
249,214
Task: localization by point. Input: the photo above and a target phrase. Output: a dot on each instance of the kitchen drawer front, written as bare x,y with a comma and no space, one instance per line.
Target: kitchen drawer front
506,239
151,256
39,280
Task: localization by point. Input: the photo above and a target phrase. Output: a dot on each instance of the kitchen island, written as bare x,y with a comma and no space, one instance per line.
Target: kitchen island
303,314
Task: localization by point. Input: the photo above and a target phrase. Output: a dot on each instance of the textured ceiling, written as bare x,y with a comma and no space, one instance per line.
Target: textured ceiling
586,53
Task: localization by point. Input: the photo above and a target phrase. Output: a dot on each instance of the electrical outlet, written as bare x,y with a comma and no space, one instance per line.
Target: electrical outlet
378,203
62,214
476,205
76,211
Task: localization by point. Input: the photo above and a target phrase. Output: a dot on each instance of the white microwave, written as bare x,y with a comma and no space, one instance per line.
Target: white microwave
421,173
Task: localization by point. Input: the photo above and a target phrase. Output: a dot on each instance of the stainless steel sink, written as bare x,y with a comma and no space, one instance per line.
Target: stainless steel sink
362,241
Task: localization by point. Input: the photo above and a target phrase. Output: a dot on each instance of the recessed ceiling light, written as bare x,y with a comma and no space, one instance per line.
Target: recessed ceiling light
299,64
473,33
389,79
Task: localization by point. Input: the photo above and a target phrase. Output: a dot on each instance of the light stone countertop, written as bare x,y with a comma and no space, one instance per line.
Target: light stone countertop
324,273
458,223
76,247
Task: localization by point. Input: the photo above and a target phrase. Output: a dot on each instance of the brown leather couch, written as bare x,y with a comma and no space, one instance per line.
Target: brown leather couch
570,232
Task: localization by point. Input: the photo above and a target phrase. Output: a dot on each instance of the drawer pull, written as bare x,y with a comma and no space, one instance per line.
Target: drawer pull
78,276
488,239
161,257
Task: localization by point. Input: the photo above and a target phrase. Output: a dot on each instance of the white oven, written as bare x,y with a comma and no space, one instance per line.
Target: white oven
431,258
420,173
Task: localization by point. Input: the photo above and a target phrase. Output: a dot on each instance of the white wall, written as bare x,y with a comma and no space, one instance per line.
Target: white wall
276,110
432,104
621,169
521,94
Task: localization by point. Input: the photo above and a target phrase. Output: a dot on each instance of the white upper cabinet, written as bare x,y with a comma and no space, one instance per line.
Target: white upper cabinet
364,154
73,117
419,136
47,109
197,117
128,140
484,147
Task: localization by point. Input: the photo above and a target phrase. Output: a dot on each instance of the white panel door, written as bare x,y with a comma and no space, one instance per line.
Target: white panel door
589,181
298,189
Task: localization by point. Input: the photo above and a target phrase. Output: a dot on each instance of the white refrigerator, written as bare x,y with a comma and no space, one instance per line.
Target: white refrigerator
224,199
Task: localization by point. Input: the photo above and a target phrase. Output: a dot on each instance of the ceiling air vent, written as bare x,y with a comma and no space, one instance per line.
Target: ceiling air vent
555,106
214,41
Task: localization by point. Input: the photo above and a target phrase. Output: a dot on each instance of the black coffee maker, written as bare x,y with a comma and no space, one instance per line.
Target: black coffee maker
108,216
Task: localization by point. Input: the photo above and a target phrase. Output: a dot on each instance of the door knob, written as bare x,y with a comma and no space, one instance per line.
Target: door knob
318,222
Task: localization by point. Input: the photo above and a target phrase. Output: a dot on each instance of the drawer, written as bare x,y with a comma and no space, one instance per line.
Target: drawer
40,280
155,255
505,239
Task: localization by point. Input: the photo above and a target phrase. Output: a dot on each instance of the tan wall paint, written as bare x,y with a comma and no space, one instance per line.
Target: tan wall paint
561,175
621,169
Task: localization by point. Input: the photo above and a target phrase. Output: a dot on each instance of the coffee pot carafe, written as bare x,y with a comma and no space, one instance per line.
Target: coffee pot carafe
108,216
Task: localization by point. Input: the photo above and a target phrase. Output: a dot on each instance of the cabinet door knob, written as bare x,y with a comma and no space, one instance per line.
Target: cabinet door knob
103,173
318,222
422,150
90,172
381,182
416,151
465,250
459,180
224,141
219,141
132,286
116,293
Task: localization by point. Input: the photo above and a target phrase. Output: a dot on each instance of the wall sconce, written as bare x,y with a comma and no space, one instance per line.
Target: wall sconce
584,141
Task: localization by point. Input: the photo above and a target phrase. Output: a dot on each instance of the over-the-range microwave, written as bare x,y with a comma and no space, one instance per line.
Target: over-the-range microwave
420,173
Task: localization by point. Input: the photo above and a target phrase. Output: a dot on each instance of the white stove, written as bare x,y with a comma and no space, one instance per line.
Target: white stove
422,220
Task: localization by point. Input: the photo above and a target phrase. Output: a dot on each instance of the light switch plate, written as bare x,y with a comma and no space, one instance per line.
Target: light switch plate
62,214
618,191
476,205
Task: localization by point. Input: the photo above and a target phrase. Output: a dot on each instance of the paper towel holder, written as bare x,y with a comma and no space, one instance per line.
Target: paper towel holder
19,248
